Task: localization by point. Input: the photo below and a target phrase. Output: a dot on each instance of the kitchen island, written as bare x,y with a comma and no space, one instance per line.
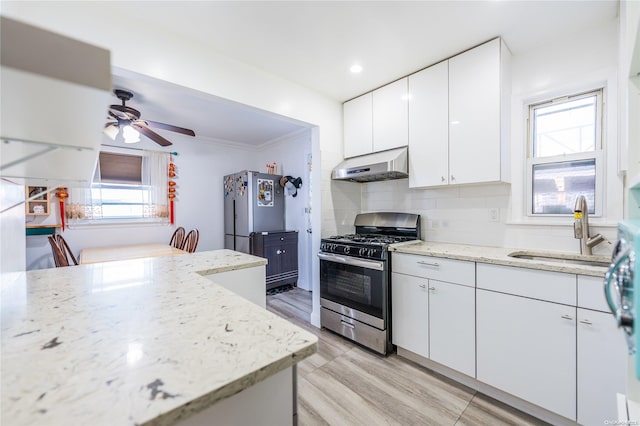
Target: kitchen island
142,341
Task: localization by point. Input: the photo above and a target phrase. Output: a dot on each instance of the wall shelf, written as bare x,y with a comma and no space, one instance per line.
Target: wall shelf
38,206
41,229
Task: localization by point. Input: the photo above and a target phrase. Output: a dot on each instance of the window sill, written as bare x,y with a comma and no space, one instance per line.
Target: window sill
113,223
566,222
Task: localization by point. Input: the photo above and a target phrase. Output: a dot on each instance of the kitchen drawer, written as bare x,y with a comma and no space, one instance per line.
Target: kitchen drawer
591,293
437,268
280,238
555,287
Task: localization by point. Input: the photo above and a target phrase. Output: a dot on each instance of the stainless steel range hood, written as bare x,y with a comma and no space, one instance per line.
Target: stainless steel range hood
385,165
55,95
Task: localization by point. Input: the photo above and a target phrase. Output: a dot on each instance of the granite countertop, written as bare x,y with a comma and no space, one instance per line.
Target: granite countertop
141,341
498,256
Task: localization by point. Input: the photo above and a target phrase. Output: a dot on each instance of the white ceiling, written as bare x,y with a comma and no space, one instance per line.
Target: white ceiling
210,117
313,43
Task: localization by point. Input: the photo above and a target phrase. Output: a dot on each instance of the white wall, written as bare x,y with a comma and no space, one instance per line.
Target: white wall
462,214
12,258
291,155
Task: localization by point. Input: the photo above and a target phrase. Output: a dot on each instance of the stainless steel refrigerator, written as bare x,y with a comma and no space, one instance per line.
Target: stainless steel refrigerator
253,202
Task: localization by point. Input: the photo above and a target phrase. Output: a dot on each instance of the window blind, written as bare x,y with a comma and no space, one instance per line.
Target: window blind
120,168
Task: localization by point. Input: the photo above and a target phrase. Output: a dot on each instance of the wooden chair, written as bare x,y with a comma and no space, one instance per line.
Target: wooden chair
191,241
59,258
66,250
177,239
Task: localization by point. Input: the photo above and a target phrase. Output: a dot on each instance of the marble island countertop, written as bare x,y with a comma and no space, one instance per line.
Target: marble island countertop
143,341
498,256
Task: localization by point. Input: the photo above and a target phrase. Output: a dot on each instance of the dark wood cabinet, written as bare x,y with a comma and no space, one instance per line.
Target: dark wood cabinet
281,251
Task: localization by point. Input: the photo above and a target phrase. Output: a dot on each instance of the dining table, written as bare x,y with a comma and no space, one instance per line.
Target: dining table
124,252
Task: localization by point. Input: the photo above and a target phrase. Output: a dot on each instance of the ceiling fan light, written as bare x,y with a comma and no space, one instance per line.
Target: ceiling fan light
130,134
111,131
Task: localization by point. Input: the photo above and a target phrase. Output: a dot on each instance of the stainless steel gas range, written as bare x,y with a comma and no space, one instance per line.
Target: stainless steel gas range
355,277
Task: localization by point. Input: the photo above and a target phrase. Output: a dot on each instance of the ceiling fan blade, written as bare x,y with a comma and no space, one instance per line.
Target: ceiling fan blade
111,130
151,134
170,127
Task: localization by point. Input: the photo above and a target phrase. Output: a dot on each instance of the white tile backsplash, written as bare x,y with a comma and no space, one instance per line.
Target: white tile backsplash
462,215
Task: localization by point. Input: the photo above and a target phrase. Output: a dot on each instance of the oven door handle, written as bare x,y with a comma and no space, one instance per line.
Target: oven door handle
352,261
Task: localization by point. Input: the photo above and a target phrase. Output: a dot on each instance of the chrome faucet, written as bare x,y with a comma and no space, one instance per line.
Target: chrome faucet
581,227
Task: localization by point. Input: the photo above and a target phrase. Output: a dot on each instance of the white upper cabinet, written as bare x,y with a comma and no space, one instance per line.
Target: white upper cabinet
475,124
429,126
358,126
376,121
458,119
390,116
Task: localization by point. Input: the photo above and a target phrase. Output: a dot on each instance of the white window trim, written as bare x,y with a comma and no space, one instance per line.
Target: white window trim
597,154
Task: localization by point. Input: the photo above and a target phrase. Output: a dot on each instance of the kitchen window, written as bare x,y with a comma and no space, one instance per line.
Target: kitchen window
565,154
126,188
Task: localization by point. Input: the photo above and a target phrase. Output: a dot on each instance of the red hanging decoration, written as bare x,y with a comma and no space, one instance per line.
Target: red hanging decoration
171,193
62,194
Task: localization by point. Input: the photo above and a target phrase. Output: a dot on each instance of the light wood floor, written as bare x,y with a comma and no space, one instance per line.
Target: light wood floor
344,384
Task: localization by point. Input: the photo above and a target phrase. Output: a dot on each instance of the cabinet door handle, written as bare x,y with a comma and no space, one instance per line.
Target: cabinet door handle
281,251
346,324
567,317
442,178
422,286
432,289
453,177
422,262
586,322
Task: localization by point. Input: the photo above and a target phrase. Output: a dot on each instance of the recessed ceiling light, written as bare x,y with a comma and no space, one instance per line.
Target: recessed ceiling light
356,68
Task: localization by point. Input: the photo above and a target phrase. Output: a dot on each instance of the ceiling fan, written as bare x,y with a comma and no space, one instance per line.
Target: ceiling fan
128,120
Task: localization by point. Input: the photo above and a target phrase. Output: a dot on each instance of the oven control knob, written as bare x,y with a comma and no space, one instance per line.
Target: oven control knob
362,251
371,252
323,246
347,250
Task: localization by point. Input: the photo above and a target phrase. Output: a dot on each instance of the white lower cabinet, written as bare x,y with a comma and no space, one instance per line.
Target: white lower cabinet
602,358
527,347
544,337
435,320
410,313
452,317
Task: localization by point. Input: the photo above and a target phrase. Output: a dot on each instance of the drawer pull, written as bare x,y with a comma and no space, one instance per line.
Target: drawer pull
346,324
567,317
586,322
422,262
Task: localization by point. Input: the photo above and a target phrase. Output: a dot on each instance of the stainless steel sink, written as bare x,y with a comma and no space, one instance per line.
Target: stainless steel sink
567,258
